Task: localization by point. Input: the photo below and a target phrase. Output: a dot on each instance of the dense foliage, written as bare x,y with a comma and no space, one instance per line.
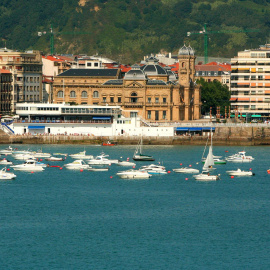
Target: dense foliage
214,94
126,29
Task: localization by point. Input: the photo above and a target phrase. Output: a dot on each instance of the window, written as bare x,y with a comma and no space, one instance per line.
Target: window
60,94
156,115
89,64
96,64
112,99
104,99
164,115
119,99
157,100
133,114
149,114
84,94
164,100
149,100
95,94
72,94
134,98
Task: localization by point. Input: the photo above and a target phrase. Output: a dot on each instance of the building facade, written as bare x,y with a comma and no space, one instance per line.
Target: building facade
148,91
26,69
5,91
250,83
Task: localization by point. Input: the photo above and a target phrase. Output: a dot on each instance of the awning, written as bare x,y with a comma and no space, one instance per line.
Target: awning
233,99
181,129
195,129
101,118
36,127
208,128
256,115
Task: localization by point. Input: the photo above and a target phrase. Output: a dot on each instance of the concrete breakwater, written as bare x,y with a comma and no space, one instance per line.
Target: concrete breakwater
238,135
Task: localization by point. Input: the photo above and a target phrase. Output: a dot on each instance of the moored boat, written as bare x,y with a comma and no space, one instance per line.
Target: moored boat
81,155
186,170
240,172
133,174
77,164
4,175
28,165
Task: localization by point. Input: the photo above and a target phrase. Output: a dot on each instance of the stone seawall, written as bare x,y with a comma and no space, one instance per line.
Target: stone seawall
237,135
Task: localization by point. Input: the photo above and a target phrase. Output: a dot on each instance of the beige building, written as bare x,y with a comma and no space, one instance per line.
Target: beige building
250,83
149,91
26,69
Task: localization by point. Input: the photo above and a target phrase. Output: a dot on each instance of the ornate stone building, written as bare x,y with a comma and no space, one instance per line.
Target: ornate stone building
149,91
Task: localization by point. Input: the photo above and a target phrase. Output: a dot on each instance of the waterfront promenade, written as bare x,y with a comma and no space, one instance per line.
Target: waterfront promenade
224,134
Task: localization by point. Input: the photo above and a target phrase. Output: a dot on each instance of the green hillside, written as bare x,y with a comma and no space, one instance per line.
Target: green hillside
128,29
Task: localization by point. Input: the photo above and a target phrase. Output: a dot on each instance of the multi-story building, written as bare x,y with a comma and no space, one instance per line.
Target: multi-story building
250,83
214,71
26,69
5,91
149,91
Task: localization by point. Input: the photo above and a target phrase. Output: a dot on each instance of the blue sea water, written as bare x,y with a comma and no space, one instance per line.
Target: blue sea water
61,219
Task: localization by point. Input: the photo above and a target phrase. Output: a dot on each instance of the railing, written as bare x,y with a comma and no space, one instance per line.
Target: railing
6,128
64,121
133,104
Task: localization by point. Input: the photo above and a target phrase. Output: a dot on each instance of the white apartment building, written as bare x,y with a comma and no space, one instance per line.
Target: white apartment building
250,83
26,69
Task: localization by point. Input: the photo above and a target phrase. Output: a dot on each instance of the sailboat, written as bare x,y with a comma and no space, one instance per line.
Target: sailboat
139,156
207,167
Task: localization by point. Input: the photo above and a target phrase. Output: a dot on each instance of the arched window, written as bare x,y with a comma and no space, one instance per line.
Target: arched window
84,94
72,94
60,94
134,98
95,94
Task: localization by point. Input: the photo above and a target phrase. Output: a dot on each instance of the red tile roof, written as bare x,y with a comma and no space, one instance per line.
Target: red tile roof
210,68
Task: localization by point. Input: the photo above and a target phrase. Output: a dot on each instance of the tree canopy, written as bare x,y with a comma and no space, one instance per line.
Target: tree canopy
214,94
127,30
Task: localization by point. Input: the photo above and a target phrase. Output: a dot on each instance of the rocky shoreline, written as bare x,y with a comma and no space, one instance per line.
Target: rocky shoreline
244,136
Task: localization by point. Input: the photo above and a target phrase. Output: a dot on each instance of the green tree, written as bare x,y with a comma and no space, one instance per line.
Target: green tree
214,94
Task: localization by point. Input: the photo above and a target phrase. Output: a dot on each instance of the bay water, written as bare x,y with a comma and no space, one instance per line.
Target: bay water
63,219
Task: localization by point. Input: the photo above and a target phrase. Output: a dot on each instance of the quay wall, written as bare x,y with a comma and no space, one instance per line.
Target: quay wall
224,135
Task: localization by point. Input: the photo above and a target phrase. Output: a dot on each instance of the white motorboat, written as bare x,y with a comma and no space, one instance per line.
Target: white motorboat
186,170
133,174
7,151
239,172
4,161
4,175
40,154
60,154
98,169
77,164
81,155
206,176
23,156
154,169
102,160
240,157
126,163
54,158
28,165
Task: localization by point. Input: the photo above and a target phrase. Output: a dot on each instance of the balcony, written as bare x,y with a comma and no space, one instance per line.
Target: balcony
133,104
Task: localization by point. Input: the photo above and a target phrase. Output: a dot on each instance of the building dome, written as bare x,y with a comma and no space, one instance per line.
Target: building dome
135,73
152,67
186,50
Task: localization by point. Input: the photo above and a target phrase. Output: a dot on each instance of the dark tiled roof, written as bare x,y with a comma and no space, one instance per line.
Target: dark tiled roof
114,82
156,69
84,72
156,82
